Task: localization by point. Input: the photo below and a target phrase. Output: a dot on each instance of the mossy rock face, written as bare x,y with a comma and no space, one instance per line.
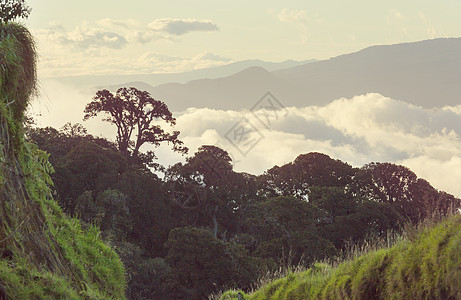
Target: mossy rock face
43,253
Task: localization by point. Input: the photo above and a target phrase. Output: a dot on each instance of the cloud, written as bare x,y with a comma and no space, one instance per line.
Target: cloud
111,23
359,130
294,15
210,56
95,61
430,29
181,26
117,34
298,17
394,16
84,37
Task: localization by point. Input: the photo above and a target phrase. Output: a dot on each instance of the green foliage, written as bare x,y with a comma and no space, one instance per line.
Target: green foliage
286,226
201,264
311,169
134,111
17,68
425,267
12,9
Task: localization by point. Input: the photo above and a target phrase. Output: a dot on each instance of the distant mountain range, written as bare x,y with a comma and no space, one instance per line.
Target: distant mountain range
426,73
151,80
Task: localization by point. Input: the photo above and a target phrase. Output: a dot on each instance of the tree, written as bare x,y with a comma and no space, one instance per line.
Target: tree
411,196
207,186
311,169
285,227
12,9
201,264
135,112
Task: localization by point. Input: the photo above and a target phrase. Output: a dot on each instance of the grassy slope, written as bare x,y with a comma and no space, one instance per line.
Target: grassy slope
427,266
44,253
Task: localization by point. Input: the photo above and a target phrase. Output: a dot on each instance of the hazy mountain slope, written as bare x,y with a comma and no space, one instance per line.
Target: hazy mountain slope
88,81
239,91
424,73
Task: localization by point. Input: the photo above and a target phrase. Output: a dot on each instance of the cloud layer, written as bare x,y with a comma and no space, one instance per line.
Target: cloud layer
359,130
110,46
181,26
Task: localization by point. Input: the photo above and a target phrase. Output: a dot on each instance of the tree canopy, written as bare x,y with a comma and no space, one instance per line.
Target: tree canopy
135,114
13,9
205,227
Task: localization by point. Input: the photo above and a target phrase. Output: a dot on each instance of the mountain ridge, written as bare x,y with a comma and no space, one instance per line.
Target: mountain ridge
423,73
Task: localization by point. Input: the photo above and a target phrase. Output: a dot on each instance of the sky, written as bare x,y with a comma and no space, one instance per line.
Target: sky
142,37
131,37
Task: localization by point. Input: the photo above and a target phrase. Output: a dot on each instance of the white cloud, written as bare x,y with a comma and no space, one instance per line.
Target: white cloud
84,37
181,26
210,57
110,46
359,130
294,15
430,29
394,16
95,61
111,23
298,17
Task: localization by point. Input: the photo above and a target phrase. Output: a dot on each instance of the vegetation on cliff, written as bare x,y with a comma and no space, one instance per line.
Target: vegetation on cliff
44,253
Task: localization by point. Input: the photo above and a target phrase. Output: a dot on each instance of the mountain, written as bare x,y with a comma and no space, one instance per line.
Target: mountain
98,81
426,73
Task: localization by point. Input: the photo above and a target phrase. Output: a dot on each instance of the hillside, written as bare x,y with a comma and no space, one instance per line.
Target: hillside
426,266
44,253
423,73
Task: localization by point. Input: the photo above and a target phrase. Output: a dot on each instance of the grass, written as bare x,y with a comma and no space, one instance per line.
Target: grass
425,265
44,253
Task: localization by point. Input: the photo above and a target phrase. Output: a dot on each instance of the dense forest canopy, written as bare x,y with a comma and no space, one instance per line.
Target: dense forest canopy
204,227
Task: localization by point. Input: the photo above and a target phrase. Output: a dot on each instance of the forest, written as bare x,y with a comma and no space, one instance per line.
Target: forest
204,227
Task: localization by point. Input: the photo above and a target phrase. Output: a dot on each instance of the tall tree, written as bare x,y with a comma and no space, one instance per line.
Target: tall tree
311,169
207,186
13,9
135,112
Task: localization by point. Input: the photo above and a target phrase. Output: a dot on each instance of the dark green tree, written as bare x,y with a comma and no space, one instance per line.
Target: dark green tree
135,114
311,169
286,227
13,9
201,264
413,197
206,186
342,217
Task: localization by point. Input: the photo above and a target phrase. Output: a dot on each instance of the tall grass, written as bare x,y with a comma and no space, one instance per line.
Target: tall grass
44,254
18,59
422,262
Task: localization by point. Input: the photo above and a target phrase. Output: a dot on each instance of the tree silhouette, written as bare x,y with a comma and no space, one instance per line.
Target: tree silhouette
135,112
12,9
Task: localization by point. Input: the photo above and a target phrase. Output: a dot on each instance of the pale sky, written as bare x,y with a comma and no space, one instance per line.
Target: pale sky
132,37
